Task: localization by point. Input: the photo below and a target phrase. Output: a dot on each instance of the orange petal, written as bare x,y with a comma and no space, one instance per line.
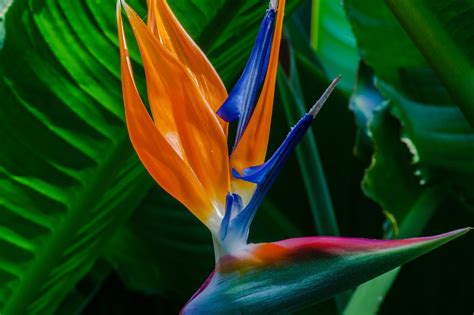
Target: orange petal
159,96
252,147
151,20
162,162
175,39
183,111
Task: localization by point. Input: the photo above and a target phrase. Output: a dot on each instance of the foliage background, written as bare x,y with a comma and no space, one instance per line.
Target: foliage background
83,229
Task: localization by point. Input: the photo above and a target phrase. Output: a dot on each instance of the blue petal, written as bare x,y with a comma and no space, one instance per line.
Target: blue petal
242,99
265,175
270,169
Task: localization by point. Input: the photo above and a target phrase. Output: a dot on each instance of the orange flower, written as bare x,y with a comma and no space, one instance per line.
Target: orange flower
183,144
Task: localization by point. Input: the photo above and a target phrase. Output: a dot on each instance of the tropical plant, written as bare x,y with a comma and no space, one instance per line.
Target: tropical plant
81,221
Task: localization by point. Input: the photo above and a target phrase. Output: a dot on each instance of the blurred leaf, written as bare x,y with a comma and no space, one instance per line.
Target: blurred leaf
293,274
333,41
443,31
382,43
439,139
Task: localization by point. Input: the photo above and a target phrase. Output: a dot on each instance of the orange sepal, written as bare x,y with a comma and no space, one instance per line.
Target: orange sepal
163,163
201,137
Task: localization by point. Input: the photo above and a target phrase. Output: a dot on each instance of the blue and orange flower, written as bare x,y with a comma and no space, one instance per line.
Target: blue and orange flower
184,146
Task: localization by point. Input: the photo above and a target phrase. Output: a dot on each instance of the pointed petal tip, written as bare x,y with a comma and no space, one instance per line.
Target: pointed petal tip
274,5
319,104
458,232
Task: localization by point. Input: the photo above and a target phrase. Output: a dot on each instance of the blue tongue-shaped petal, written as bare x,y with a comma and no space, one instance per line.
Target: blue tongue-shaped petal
265,175
241,101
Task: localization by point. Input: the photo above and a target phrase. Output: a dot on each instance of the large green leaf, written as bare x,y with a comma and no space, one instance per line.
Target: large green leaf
380,39
66,166
68,174
434,130
443,31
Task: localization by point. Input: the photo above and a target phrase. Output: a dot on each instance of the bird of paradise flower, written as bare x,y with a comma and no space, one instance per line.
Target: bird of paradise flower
184,147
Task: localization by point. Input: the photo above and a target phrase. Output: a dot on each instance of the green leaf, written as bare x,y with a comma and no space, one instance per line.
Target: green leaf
443,31
434,130
67,167
368,297
382,43
333,41
293,274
